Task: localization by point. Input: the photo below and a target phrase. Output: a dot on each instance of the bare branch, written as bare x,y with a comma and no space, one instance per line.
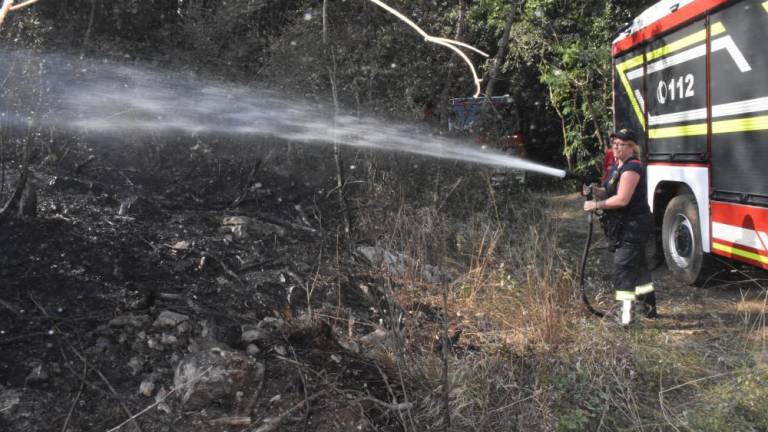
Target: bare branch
7,5
23,5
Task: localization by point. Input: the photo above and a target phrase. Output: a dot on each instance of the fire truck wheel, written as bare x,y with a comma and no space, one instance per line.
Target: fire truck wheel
681,238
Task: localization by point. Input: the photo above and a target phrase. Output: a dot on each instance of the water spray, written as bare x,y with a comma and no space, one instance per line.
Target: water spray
91,98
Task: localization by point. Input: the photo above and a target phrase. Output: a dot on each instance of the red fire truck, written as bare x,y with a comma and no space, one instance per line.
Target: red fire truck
692,76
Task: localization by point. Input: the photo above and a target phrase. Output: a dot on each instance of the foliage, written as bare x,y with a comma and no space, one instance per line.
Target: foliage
569,44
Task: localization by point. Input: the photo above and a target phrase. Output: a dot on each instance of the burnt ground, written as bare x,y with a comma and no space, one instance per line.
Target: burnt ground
172,287
126,281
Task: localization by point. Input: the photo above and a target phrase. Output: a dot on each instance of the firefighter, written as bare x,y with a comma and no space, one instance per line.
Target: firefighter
627,223
608,161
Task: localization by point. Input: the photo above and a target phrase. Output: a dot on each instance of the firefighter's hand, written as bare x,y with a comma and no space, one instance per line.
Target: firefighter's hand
591,206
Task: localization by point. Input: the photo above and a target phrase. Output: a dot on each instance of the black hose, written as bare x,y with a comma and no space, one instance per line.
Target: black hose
582,268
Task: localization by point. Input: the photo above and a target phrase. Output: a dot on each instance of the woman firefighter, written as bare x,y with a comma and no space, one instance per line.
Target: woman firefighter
627,223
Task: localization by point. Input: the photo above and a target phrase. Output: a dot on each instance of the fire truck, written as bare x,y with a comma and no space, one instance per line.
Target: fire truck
692,77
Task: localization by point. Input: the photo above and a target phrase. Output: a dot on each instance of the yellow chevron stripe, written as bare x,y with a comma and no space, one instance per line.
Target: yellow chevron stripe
740,252
621,69
700,36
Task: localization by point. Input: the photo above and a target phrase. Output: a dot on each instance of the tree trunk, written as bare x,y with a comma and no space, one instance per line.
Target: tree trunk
502,52
564,129
87,36
12,207
442,105
336,148
461,21
2,165
596,124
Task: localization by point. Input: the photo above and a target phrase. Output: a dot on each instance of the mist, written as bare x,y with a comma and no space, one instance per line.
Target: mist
108,98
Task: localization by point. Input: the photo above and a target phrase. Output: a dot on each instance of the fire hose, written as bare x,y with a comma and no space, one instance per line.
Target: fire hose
583,265
587,245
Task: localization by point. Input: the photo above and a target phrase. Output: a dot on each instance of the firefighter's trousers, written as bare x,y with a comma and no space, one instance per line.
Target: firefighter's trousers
631,276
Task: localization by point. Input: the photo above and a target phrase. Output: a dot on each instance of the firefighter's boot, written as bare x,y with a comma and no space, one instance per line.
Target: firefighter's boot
627,298
626,312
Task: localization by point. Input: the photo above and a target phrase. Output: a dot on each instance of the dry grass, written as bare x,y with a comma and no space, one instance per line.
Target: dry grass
541,363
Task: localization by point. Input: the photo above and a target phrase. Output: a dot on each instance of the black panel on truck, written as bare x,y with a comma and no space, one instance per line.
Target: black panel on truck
739,86
677,95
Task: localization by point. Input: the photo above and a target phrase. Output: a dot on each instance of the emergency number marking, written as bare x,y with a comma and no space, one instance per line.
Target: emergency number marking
677,88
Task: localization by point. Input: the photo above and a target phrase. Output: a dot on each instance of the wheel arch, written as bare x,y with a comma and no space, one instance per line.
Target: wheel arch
665,185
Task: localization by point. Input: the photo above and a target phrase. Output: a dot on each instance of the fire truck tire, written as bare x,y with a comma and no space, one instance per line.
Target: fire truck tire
681,239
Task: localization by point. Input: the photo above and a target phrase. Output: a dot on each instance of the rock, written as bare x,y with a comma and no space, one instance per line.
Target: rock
253,335
252,349
215,375
242,227
136,321
38,376
160,397
271,324
136,365
399,264
375,338
351,346
103,342
267,329
183,328
168,339
147,387
181,245
169,319
204,344
154,344
384,259
229,335
137,206
24,410
9,399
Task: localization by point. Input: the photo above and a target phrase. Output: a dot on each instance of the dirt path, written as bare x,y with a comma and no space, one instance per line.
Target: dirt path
733,299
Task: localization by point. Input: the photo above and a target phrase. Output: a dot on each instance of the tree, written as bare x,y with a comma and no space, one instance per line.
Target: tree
14,203
569,43
11,5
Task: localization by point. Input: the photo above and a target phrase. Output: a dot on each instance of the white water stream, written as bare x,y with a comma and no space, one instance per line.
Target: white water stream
107,98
